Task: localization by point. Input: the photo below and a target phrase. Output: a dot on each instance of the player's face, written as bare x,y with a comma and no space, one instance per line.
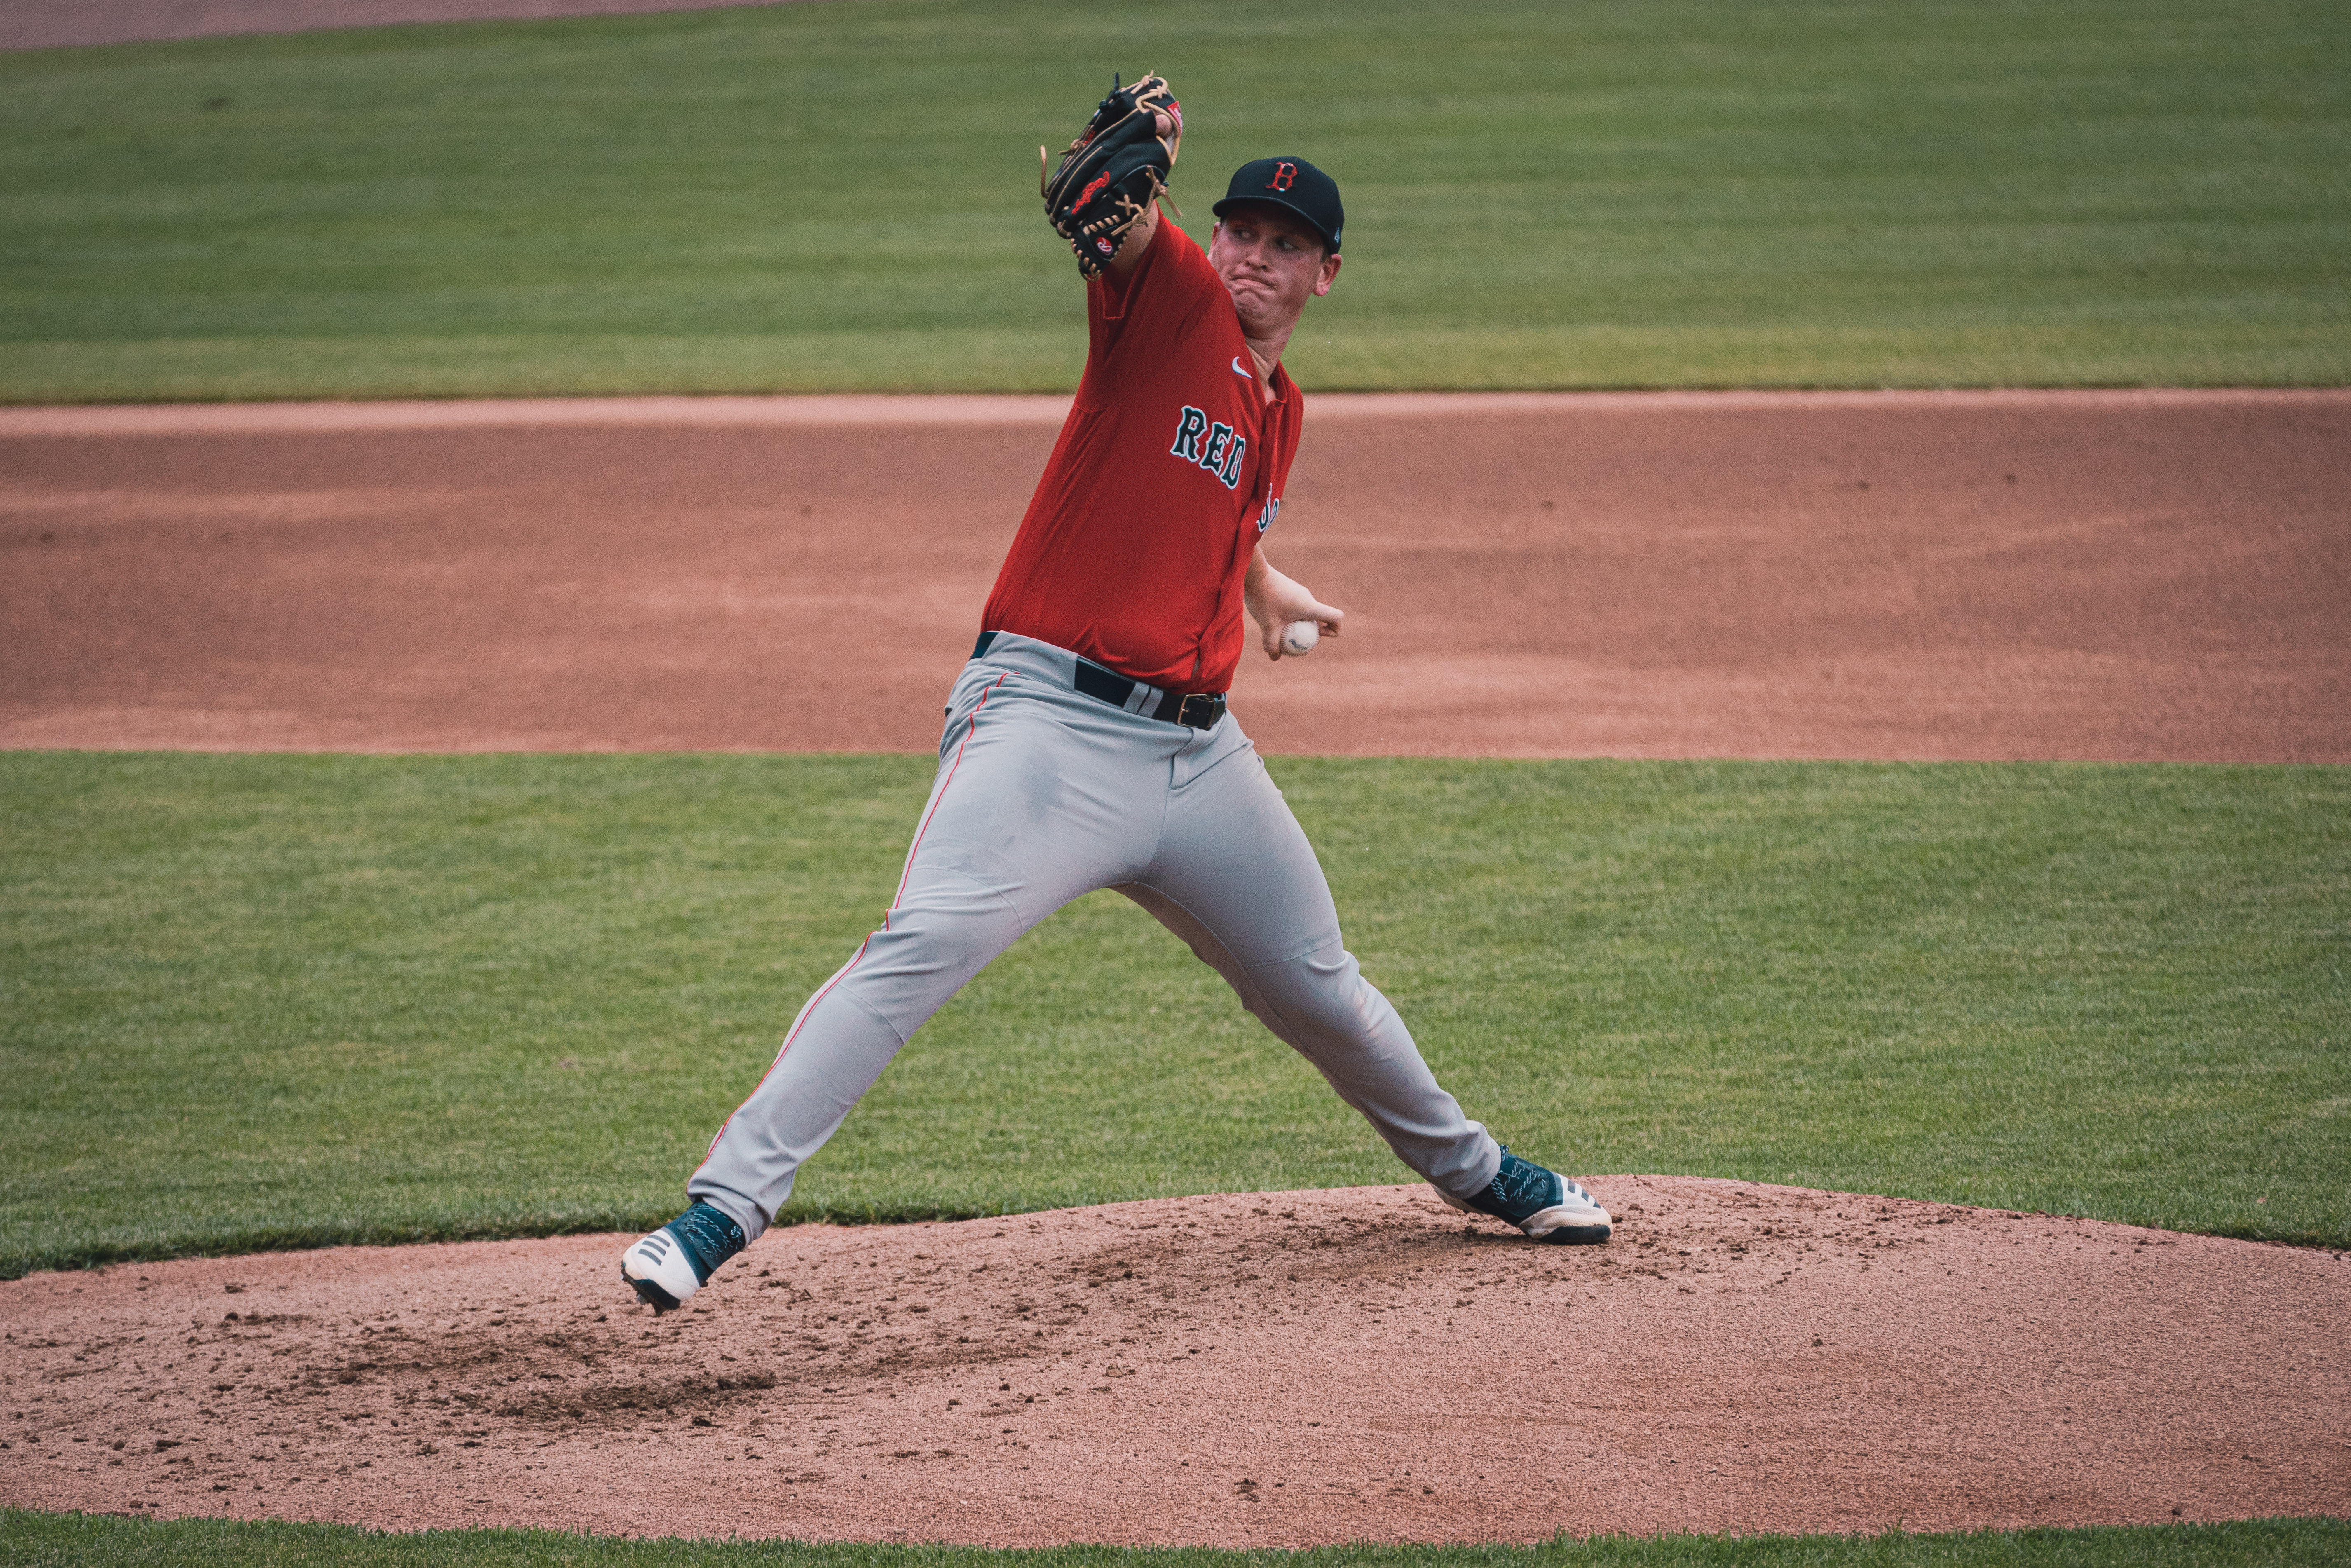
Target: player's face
1272,263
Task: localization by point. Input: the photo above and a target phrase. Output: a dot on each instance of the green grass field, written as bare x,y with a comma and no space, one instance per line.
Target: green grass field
39,1541
1542,194
263,1001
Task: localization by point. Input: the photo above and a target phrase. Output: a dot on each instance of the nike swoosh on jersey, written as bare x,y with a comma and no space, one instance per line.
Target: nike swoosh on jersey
1239,372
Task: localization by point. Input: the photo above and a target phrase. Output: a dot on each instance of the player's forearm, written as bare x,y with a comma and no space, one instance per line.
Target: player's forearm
1138,241
1274,601
1258,585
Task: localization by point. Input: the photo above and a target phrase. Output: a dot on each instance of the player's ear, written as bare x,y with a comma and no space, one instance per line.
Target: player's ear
1328,276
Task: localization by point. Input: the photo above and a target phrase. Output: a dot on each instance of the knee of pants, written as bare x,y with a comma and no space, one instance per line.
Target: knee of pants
927,948
1318,998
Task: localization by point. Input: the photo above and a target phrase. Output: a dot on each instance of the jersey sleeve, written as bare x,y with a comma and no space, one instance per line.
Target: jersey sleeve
1146,309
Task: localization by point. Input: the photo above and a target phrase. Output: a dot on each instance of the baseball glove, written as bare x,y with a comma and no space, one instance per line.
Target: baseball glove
1111,174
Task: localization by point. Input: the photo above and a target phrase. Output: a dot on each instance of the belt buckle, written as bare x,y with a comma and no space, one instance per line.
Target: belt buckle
1201,710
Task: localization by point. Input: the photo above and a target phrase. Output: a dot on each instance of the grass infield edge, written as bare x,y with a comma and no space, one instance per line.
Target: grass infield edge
31,1536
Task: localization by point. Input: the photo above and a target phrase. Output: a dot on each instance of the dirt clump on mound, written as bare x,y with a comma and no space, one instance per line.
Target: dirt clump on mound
1270,1369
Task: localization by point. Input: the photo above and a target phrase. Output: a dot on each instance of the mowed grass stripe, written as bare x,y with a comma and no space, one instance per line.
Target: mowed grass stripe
36,1540
261,1001
1542,194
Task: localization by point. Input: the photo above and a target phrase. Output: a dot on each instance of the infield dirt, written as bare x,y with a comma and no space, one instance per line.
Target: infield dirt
1268,1369
1900,575
36,24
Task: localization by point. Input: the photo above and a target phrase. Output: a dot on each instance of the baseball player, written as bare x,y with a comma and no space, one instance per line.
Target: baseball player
1087,743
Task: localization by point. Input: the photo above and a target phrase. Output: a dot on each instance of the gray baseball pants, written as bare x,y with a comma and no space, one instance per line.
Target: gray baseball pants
1044,794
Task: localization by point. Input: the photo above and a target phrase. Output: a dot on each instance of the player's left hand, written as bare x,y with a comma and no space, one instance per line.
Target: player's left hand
1275,600
1110,180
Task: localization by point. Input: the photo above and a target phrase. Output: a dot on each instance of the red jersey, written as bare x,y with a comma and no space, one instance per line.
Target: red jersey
1167,470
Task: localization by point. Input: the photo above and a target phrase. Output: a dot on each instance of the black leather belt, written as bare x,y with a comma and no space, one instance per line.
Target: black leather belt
1193,710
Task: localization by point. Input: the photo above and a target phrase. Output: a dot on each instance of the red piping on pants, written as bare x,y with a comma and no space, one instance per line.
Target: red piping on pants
902,879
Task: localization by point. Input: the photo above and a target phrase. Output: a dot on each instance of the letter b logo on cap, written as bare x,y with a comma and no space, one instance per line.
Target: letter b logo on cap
1284,176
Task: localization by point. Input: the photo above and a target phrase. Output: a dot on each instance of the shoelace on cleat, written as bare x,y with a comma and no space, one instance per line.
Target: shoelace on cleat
708,1237
1521,1187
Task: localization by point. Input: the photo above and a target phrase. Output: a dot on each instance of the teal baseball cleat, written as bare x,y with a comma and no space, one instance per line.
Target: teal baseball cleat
670,1264
1544,1204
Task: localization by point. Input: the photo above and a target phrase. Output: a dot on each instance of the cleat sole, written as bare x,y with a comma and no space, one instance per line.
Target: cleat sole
653,1295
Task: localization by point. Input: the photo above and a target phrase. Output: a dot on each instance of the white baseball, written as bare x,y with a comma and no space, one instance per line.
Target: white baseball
1298,638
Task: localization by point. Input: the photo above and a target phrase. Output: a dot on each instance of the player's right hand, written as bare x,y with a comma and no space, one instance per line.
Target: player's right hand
1274,602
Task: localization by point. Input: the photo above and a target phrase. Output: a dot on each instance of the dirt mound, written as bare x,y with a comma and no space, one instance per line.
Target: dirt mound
1270,1369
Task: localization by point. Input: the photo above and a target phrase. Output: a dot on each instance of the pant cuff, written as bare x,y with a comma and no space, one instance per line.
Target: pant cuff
1483,1171
734,1206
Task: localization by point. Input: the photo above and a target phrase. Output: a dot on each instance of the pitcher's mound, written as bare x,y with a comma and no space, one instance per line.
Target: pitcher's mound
1282,1369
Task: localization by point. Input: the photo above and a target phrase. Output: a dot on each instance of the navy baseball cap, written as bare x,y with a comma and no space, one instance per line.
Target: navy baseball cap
1292,182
